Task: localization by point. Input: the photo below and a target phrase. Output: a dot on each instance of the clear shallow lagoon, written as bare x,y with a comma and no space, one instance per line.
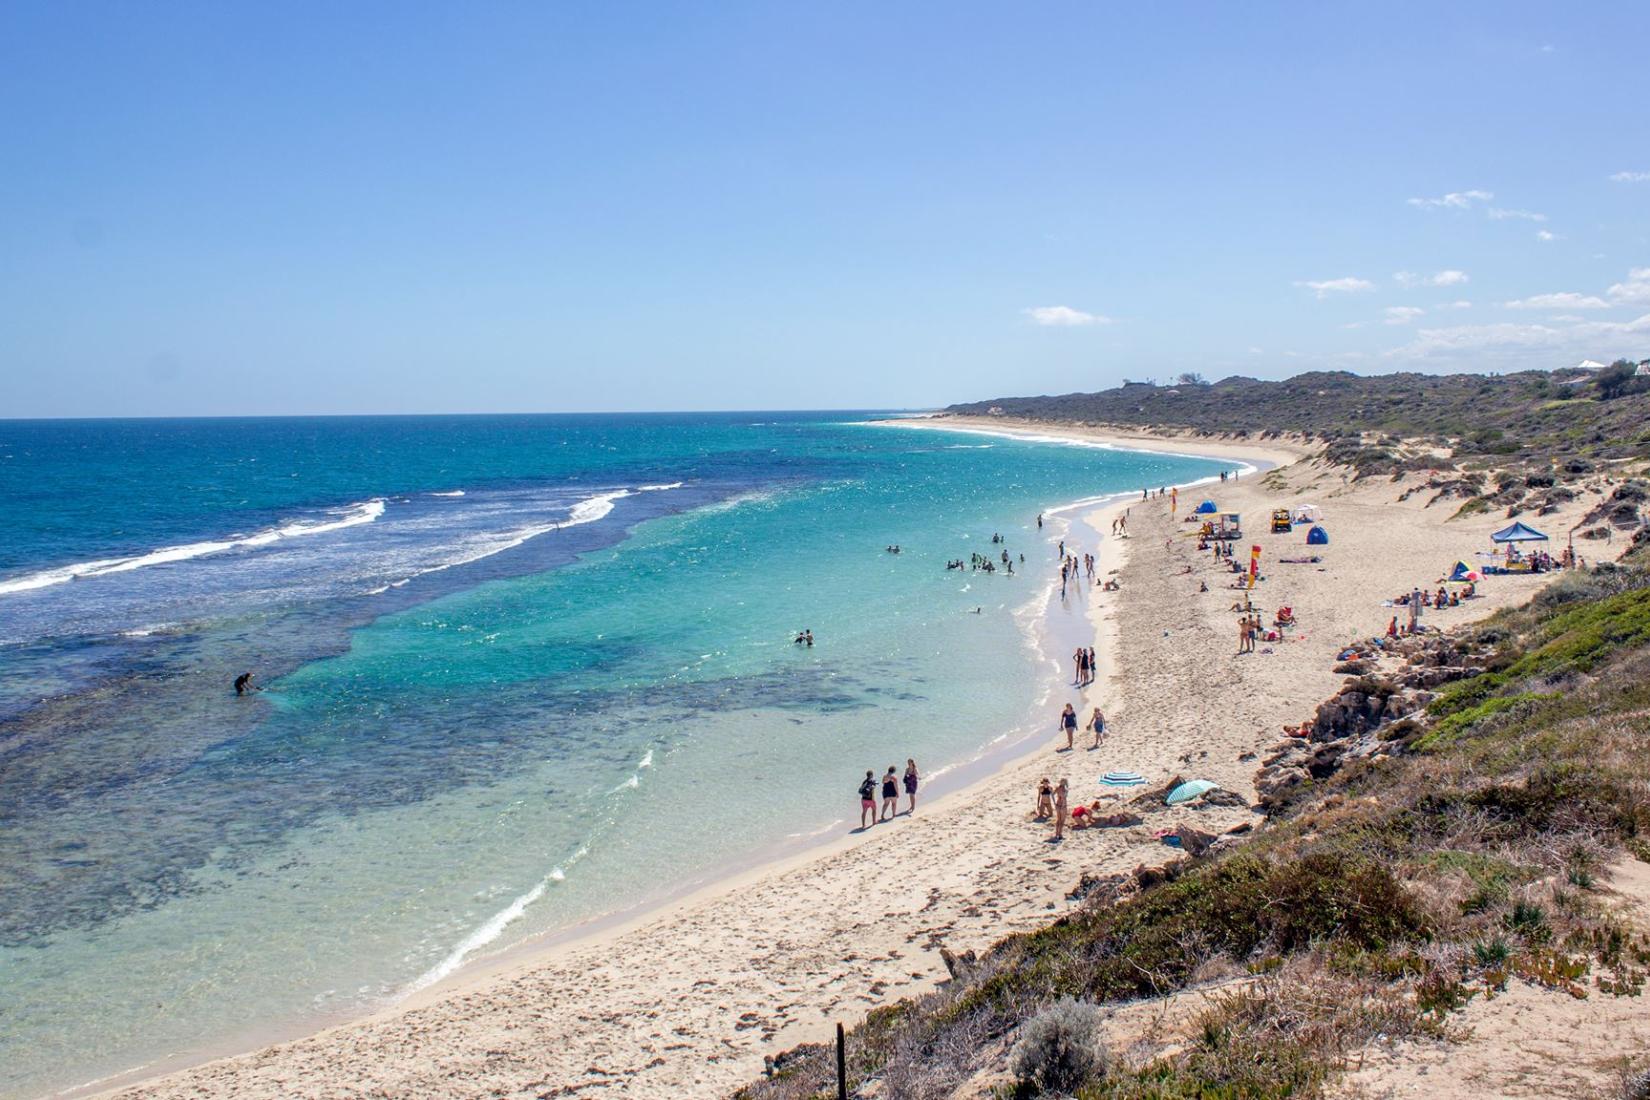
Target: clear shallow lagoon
520,672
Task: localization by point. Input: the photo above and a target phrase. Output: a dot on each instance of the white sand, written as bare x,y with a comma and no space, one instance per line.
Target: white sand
686,1001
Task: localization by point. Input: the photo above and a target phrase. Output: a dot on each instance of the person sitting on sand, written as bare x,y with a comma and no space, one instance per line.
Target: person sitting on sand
1045,799
890,795
1060,794
868,801
911,779
1068,722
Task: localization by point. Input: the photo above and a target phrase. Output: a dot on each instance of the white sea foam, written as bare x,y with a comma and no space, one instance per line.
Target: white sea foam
453,493
356,514
494,926
647,761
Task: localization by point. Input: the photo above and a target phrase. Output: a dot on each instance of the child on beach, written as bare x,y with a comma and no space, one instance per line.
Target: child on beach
890,795
911,779
1068,722
868,801
1060,811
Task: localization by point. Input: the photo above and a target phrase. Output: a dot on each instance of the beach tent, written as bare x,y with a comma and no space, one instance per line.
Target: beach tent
1518,532
1207,508
1190,790
1463,572
1317,537
1308,513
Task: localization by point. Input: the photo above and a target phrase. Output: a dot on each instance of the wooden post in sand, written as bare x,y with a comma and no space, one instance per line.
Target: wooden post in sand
841,1065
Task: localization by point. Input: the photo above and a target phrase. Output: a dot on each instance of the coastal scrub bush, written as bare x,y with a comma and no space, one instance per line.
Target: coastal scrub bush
1059,1049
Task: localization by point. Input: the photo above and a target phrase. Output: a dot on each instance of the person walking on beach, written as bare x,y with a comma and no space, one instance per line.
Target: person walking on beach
911,779
1060,804
868,801
890,795
1097,723
1068,722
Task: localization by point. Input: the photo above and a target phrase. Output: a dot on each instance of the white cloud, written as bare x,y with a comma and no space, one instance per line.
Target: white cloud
1534,344
1455,200
1063,315
1563,300
1546,235
1462,304
1402,315
1630,177
1348,284
1501,215
1450,277
1635,291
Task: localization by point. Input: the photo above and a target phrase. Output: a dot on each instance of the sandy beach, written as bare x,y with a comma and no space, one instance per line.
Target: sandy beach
688,1000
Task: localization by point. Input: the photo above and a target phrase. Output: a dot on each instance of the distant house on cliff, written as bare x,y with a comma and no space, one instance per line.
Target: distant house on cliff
995,410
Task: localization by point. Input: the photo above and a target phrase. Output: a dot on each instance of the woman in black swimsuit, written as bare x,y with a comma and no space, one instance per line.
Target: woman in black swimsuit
1068,722
911,778
890,794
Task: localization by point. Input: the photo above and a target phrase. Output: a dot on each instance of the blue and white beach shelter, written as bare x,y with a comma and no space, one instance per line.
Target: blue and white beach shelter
1207,508
1518,532
1317,537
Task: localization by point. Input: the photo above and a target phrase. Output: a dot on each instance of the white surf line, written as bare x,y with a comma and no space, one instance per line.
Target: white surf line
1029,436
356,514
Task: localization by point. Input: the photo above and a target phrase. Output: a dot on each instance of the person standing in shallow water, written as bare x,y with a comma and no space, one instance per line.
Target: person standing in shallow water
890,795
868,801
911,780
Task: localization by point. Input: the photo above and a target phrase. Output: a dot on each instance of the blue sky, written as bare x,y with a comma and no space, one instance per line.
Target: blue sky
288,208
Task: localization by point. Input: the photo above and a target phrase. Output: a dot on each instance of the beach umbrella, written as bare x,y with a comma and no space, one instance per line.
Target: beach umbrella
1190,790
1518,532
1122,779
1207,508
1463,572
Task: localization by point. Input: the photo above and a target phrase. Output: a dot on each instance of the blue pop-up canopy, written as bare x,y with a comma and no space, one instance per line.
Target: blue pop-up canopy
1518,532
1206,508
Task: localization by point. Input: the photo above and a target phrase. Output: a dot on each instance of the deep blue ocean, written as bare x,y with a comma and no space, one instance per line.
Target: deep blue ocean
515,672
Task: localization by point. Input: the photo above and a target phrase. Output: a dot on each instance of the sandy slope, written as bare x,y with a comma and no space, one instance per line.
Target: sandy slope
687,1001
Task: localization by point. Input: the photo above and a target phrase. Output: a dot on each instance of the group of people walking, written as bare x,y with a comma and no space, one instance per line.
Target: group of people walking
1095,725
891,783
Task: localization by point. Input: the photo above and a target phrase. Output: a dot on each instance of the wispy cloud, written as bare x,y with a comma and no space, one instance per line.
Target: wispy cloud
1635,291
1562,300
1455,200
1602,340
1546,235
1449,277
1462,304
1348,284
1501,215
1402,315
1064,316
1630,177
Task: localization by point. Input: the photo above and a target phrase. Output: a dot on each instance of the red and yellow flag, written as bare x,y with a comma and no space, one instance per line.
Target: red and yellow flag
1254,565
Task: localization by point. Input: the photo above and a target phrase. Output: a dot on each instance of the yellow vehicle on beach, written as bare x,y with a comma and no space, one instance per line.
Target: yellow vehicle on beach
1282,521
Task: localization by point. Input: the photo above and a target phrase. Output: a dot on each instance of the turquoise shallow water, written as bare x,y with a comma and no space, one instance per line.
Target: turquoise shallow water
570,690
